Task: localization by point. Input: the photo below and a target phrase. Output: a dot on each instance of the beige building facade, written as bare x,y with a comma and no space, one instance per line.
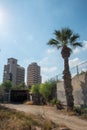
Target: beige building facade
13,72
33,74
79,83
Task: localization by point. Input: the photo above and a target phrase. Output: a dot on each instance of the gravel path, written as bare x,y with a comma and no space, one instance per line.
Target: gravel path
72,122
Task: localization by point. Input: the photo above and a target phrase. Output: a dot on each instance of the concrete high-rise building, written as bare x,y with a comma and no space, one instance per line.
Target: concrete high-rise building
13,72
20,75
33,74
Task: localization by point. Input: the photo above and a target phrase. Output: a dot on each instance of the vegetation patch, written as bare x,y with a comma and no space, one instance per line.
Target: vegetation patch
81,112
11,119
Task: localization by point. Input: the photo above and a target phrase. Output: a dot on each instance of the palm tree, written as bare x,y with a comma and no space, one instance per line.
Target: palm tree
66,40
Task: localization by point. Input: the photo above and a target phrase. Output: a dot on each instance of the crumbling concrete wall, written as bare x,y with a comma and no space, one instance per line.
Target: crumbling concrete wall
79,84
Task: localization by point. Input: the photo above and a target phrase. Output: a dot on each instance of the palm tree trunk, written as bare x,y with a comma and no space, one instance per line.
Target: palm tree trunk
67,85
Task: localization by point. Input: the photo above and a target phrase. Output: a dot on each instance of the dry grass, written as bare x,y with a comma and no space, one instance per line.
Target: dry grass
14,120
28,103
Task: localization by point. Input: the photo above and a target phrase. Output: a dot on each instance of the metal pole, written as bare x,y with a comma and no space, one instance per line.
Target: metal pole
77,70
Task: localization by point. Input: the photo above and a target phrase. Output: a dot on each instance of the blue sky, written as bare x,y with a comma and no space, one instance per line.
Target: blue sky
27,25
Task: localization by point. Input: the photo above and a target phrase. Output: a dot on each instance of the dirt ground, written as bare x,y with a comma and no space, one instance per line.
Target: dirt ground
56,116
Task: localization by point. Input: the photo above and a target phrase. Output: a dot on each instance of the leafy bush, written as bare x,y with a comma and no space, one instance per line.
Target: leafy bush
6,85
78,110
81,111
54,101
35,89
45,90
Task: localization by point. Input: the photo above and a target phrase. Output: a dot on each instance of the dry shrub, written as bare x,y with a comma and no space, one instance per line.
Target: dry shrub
49,125
29,103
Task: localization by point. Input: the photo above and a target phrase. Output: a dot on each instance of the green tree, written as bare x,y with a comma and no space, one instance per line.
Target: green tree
35,88
22,85
66,40
7,85
45,90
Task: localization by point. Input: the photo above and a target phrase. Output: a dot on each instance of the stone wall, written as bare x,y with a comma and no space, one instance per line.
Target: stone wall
79,84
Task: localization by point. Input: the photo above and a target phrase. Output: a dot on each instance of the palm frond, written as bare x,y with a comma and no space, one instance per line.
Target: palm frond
65,37
78,44
70,50
74,37
67,32
52,42
58,35
58,47
55,43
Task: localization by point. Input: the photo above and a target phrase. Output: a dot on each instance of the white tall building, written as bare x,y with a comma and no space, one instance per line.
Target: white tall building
13,72
33,74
